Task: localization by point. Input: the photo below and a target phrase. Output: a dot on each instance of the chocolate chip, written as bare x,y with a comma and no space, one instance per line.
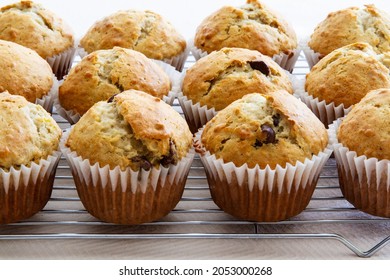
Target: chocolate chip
276,119
111,99
258,144
143,163
171,157
270,138
261,66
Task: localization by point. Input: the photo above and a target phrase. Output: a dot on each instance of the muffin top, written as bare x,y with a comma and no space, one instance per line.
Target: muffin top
103,73
265,129
351,25
346,75
143,31
224,76
31,25
27,132
24,72
132,129
252,26
366,129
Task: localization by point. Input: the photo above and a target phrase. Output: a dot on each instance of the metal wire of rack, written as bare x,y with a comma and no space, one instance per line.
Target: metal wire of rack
197,217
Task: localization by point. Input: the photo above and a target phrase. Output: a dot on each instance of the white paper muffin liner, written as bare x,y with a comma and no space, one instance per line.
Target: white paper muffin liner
62,62
262,195
176,62
286,61
73,117
47,100
326,112
364,182
312,57
127,196
197,115
24,191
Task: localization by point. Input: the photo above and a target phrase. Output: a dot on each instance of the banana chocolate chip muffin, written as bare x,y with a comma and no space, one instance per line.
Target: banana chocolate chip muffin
29,139
345,76
351,25
256,152
224,76
362,151
143,31
25,73
103,73
31,25
252,26
139,149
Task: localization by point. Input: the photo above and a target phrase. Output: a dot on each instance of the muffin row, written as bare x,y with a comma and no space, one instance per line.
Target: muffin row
130,156
251,26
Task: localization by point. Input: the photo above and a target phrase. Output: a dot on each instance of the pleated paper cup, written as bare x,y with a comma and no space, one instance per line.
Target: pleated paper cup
286,61
177,61
261,195
326,112
311,56
174,76
24,191
125,196
61,63
364,182
197,115
47,101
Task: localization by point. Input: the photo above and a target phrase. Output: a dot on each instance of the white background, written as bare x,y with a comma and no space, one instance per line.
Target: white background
186,15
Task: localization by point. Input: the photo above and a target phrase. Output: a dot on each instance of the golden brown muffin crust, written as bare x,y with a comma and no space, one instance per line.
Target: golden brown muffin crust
347,74
366,129
351,25
227,75
251,26
103,73
27,132
31,25
265,129
133,129
24,72
143,31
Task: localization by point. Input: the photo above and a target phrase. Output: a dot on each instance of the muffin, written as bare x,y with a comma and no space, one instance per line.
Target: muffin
263,155
31,25
143,31
342,78
343,27
103,73
25,73
29,139
252,26
224,76
130,156
362,150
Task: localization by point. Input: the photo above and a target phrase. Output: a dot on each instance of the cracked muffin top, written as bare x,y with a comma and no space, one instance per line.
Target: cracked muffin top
224,76
31,25
132,129
104,73
265,129
252,26
24,72
27,132
366,128
143,31
352,25
346,74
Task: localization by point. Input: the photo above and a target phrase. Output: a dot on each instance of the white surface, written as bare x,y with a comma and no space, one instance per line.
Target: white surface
186,15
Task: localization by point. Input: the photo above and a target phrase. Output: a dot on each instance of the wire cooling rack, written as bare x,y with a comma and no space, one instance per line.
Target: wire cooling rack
328,215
